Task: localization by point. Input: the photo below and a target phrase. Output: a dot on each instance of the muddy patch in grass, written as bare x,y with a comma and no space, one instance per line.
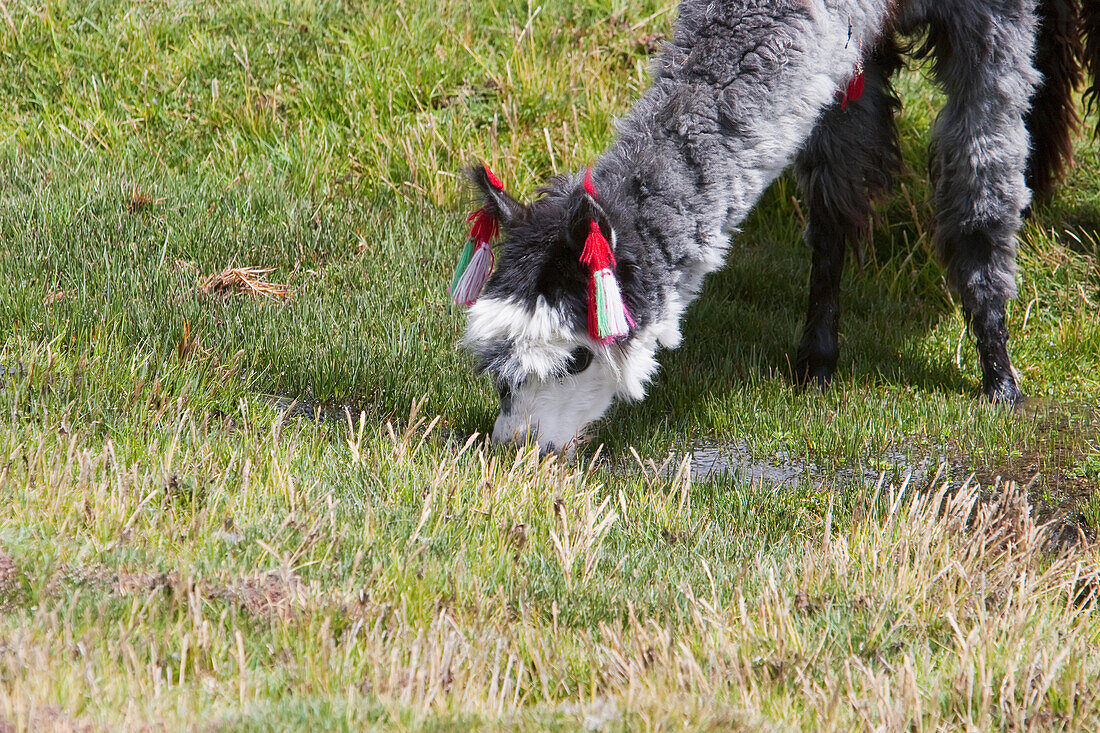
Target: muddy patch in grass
1058,468
272,593
10,582
9,574
99,577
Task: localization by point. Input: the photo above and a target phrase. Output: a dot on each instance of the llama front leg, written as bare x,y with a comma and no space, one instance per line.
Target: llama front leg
851,156
980,150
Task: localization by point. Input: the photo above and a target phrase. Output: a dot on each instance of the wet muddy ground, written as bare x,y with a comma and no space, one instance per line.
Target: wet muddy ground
734,459
1059,466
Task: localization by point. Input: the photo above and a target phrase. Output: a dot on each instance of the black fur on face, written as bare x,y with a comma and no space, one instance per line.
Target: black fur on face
492,358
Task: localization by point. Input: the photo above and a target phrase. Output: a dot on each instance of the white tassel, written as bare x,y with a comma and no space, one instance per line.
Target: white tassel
612,318
472,280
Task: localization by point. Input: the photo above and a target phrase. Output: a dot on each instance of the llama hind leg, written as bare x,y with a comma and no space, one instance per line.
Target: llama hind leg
851,156
980,151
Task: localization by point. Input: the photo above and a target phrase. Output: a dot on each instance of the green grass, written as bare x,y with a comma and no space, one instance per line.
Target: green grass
178,550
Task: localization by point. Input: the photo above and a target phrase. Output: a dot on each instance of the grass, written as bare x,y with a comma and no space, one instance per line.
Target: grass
180,547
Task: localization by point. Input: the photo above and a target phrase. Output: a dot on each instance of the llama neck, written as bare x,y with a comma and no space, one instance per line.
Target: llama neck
727,112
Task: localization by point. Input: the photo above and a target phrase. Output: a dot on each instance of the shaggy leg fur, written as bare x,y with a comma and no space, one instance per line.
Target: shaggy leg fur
1053,117
850,158
980,153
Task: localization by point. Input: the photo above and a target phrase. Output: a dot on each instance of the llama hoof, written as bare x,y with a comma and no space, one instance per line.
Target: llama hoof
1003,391
807,374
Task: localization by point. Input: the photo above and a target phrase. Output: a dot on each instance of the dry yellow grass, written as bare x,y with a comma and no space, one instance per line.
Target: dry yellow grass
244,280
939,609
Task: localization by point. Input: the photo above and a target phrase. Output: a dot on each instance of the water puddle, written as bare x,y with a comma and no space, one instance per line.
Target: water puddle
1066,437
1062,462
1065,434
1058,464
735,461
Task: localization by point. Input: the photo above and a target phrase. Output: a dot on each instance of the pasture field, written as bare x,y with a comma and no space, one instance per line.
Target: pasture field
232,511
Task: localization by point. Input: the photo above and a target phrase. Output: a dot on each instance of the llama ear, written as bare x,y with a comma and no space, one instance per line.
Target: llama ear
506,209
583,211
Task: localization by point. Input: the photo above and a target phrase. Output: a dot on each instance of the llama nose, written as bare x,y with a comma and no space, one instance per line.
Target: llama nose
508,430
518,431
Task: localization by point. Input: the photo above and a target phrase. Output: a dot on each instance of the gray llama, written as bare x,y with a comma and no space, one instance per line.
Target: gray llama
744,88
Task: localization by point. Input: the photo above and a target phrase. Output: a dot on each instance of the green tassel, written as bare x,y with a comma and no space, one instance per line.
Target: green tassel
601,309
463,263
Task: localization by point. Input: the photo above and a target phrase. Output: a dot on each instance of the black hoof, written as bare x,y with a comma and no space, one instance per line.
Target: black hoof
811,372
1003,391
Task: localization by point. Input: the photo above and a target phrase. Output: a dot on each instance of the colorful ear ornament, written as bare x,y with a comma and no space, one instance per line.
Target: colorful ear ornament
475,264
608,318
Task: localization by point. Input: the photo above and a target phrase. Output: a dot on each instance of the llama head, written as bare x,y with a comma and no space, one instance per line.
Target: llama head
529,329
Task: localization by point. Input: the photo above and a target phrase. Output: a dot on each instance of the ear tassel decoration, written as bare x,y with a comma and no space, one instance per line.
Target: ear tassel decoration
608,318
475,264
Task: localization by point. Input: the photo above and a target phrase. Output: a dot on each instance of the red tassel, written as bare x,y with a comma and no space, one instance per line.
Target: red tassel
588,187
597,254
486,227
854,90
475,265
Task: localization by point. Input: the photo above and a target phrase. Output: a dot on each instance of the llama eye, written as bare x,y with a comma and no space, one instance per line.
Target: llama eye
579,360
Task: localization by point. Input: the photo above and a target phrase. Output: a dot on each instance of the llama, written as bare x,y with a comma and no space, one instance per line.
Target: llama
594,275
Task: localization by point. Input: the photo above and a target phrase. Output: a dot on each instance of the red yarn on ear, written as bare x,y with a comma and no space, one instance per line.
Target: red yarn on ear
486,226
493,180
597,253
588,187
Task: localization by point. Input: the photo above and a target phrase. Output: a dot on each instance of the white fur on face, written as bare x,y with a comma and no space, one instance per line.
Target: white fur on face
540,340
554,411
546,406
